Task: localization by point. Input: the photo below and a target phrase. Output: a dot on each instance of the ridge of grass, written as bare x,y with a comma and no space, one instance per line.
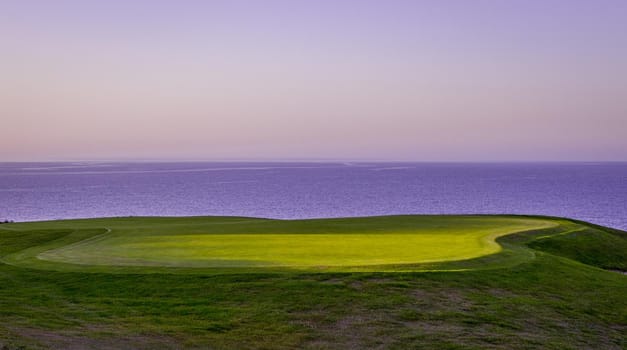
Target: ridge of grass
590,246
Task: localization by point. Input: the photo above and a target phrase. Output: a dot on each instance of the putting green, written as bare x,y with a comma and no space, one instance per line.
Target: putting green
250,243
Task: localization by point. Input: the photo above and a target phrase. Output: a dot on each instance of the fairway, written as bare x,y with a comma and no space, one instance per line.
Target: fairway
374,243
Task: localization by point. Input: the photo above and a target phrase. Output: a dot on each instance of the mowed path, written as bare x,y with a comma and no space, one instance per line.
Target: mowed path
219,242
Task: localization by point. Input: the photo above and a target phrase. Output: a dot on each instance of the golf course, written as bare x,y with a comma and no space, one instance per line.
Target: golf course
407,281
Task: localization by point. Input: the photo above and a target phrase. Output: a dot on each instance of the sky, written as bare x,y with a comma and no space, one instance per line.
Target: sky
390,80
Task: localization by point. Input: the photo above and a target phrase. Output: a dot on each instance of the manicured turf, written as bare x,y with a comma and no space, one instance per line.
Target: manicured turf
119,283
323,244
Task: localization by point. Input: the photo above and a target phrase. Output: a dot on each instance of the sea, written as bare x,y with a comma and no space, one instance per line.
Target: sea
594,192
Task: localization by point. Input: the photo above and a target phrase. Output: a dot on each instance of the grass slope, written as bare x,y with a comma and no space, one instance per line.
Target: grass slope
519,298
597,247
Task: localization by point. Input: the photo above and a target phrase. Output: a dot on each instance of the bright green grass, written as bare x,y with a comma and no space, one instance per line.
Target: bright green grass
376,243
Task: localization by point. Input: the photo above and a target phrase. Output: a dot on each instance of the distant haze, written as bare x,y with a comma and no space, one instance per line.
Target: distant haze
440,80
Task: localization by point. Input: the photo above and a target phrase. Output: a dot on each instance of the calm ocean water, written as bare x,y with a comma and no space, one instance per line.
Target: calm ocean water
595,192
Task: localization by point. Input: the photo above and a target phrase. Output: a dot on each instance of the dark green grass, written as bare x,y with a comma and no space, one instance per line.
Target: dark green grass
601,248
552,301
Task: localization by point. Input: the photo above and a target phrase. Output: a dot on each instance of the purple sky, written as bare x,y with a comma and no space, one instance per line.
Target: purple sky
361,80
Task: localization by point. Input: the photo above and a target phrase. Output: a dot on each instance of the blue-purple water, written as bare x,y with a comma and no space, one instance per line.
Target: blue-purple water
595,192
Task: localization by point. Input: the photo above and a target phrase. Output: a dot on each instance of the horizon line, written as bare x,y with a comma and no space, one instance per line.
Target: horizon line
295,160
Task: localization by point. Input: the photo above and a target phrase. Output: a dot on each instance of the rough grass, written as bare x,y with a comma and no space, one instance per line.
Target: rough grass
590,246
548,302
